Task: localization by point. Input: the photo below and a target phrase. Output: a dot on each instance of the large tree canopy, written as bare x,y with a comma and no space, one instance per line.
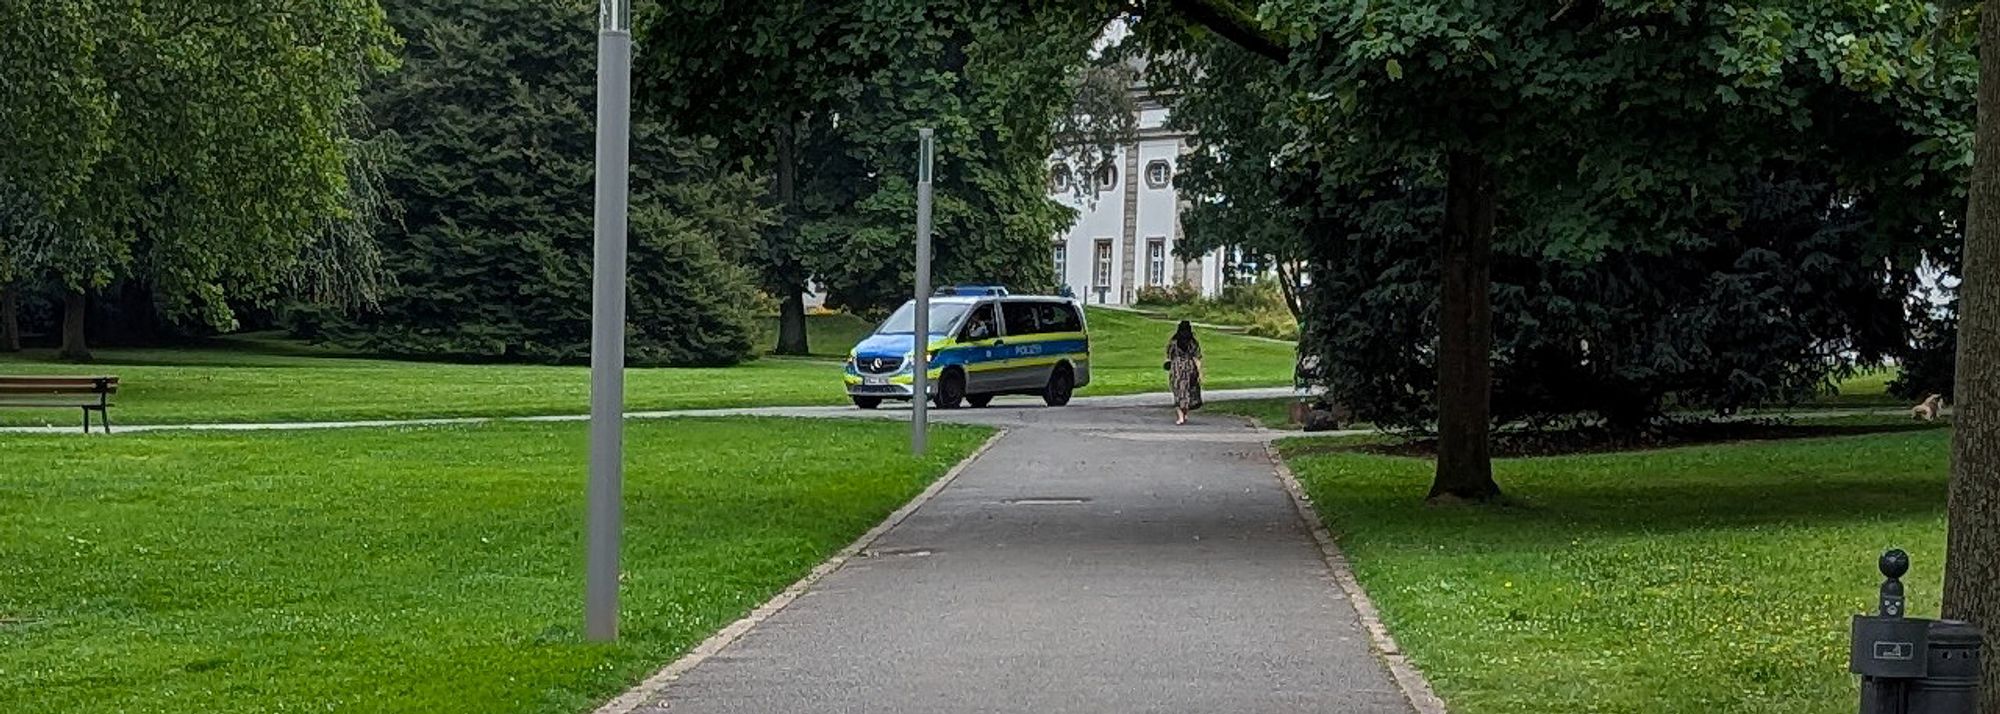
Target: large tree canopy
1244,188
491,257
828,99
194,148
1575,151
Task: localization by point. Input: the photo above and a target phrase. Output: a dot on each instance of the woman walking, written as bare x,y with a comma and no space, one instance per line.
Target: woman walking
1184,371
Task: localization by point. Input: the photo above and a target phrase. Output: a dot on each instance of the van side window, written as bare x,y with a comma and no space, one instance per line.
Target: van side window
1021,318
980,326
1060,317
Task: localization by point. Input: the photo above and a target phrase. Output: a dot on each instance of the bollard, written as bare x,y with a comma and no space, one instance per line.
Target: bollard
1888,649
1912,665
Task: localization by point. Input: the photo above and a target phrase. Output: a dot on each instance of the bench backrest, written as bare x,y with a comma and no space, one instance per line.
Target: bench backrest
35,385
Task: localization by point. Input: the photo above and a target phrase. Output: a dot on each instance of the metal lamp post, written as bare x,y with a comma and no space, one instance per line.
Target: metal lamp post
607,320
920,347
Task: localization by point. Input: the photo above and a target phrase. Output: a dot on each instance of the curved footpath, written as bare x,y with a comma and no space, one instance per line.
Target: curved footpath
1093,559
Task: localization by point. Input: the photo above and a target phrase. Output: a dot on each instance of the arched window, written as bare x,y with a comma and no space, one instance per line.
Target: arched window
1059,178
1107,176
1158,173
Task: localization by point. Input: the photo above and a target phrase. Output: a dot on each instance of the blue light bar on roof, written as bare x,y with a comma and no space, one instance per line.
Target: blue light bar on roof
972,291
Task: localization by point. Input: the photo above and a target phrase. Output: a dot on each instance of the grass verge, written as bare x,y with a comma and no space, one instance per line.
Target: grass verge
1868,389
1701,579
259,380
1268,413
827,335
1126,350
434,570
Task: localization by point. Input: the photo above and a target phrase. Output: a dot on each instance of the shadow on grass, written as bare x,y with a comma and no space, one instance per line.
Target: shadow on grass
1556,516
1545,518
258,349
266,352
1540,444
1770,476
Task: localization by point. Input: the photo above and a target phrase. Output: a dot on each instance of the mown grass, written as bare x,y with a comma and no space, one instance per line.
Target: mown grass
1268,413
1275,322
432,570
827,335
1863,391
1257,309
259,380
1867,389
1127,349
1701,579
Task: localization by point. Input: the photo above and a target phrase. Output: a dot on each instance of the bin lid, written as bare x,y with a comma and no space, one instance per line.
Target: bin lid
1954,633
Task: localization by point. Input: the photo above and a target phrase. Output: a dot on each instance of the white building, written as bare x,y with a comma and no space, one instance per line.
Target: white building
1124,240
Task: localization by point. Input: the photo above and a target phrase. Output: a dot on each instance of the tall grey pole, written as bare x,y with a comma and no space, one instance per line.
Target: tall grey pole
607,320
920,351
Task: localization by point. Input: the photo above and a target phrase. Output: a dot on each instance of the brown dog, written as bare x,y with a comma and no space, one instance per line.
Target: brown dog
1927,411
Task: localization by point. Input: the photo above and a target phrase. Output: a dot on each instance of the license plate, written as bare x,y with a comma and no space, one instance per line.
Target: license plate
875,381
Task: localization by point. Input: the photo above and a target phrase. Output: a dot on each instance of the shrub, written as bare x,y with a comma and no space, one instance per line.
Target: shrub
1179,293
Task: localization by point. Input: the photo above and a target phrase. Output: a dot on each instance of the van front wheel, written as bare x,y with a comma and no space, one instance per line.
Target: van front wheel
950,390
867,402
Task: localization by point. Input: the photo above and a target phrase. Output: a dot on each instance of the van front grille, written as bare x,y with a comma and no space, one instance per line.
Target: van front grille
879,365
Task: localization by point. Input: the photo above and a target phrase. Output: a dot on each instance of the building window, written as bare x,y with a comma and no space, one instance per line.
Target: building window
1158,173
1107,177
1156,262
1060,253
1103,274
1059,178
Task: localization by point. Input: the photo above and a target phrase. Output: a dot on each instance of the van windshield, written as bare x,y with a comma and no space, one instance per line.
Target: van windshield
943,316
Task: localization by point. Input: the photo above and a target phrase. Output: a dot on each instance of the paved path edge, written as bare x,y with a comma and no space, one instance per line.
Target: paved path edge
820,411
649,688
1410,680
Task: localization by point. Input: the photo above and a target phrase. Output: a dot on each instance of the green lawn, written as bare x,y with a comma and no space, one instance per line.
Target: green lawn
1267,413
1868,389
1273,321
1127,349
264,380
1864,391
1705,579
827,335
434,570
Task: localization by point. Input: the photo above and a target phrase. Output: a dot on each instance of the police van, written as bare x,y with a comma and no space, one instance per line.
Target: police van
983,343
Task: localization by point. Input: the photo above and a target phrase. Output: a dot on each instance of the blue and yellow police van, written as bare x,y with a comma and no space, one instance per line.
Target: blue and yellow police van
983,343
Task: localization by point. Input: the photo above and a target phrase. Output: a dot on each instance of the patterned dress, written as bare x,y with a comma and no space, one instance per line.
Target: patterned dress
1184,373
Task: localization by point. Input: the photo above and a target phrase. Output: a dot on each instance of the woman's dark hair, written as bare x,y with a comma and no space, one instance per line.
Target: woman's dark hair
1184,334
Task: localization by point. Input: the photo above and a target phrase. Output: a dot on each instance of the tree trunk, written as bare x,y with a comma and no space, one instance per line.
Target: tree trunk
792,323
1972,558
1465,335
10,319
1289,285
74,347
792,308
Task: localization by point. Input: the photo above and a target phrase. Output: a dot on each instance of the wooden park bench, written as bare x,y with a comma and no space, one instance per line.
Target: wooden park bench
36,391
